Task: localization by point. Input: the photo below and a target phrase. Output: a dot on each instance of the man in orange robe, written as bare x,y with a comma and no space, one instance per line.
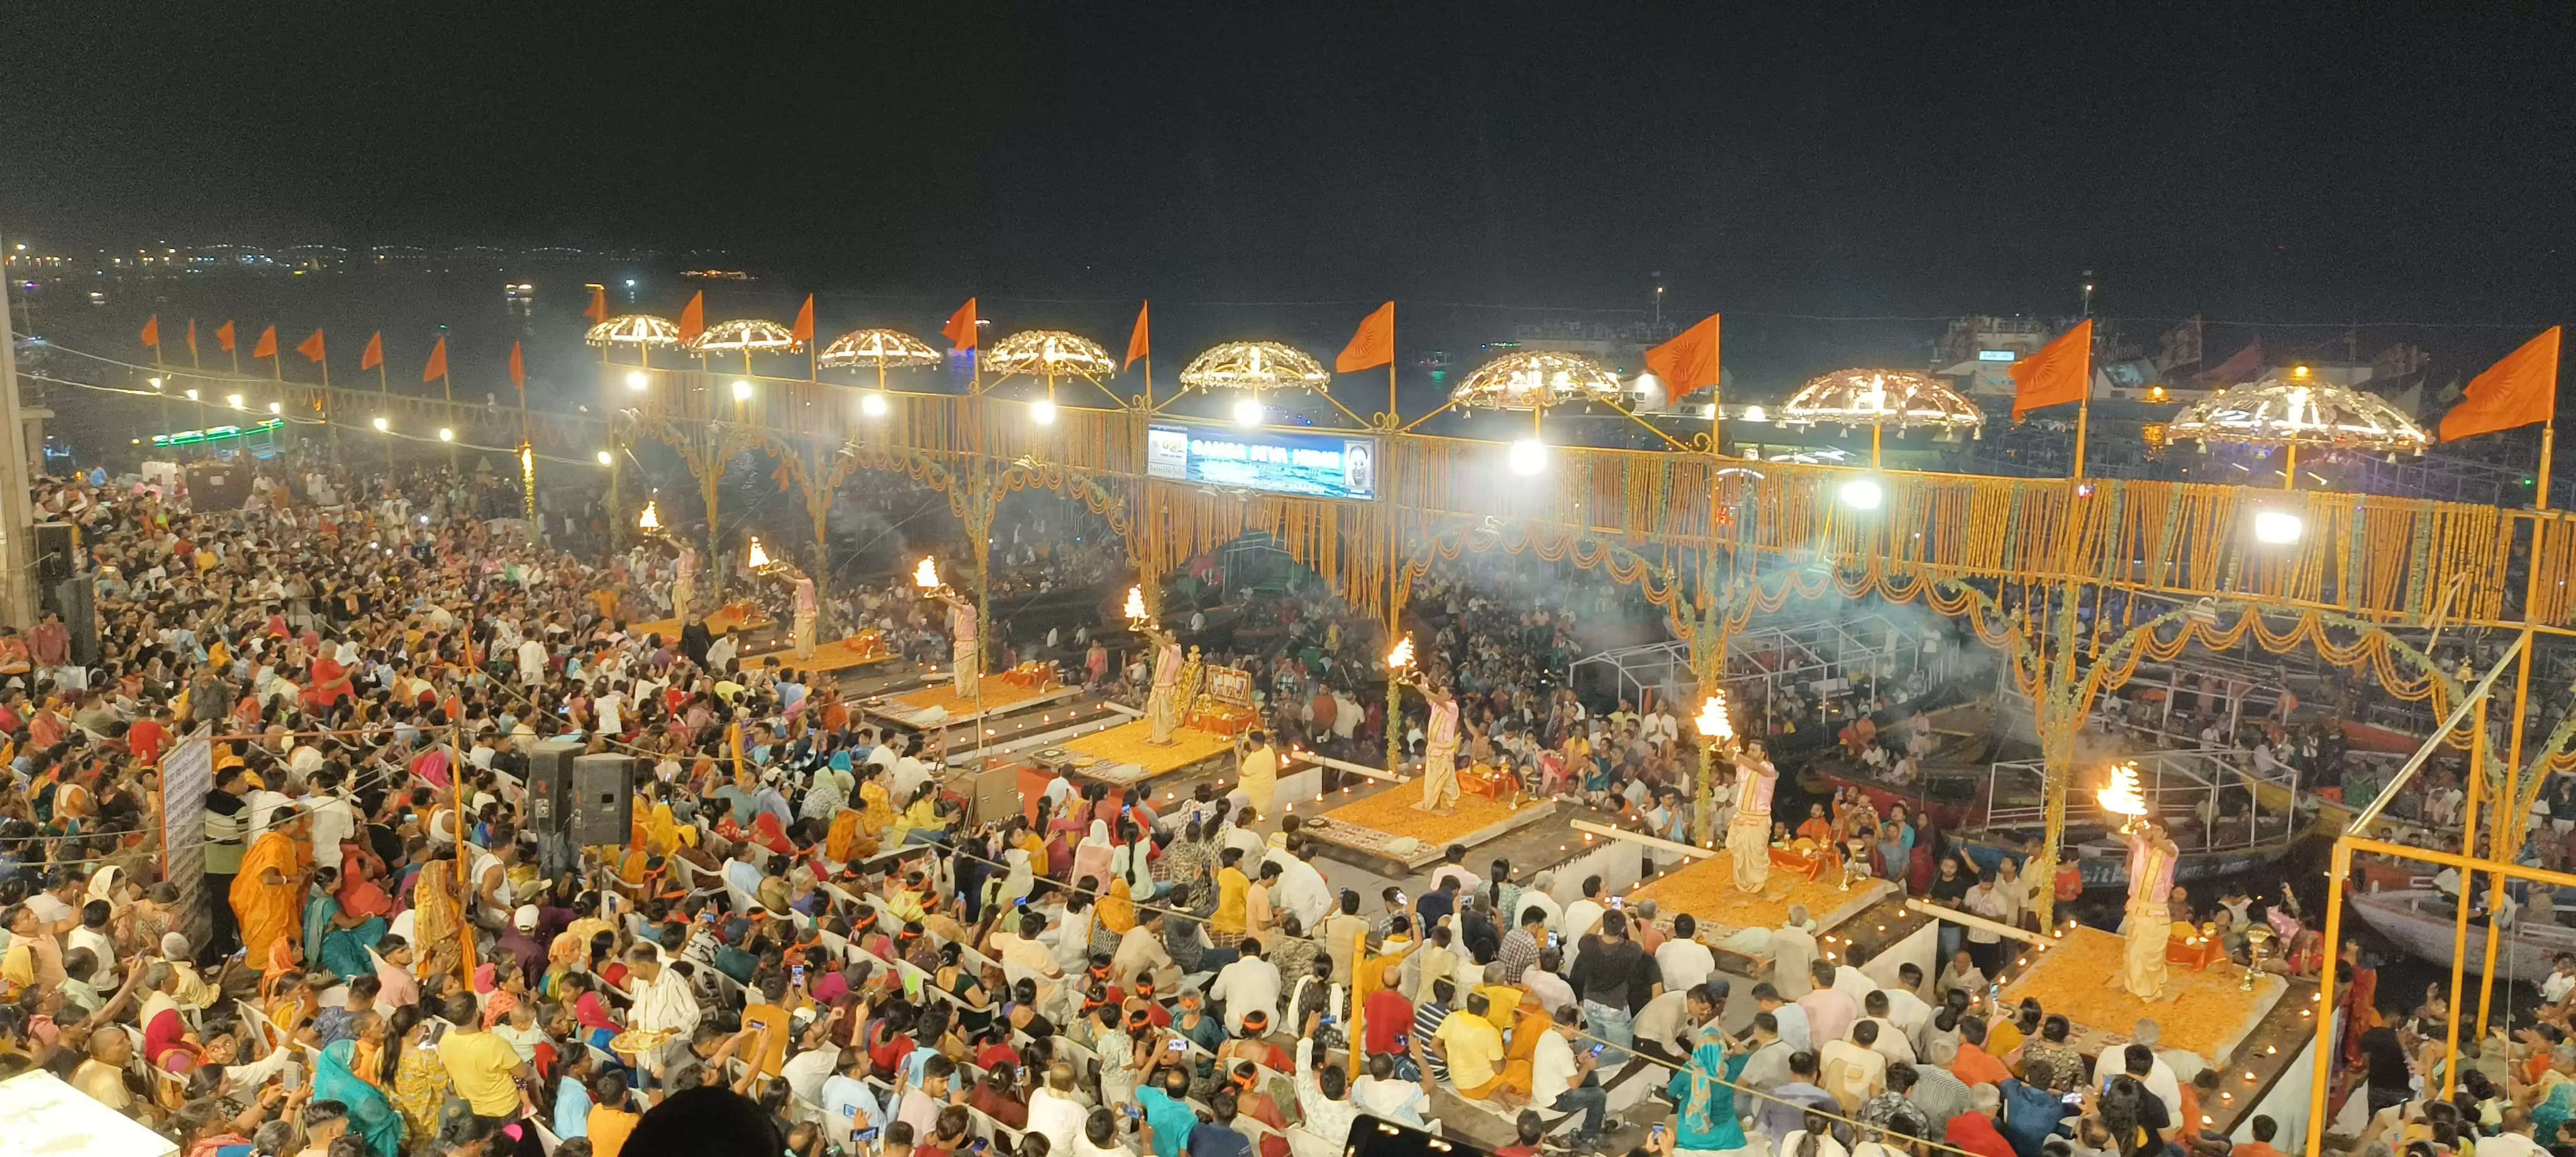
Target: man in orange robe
268,895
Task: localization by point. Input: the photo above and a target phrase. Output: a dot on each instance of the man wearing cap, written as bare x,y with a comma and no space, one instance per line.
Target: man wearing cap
520,941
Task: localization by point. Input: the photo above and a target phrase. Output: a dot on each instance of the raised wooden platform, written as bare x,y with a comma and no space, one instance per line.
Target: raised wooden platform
1706,889
2203,1011
1368,830
1120,755
940,706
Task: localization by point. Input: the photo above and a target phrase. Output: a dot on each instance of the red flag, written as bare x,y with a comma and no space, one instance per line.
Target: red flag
266,347
224,337
2238,368
960,330
1137,344
152,331
1372,345
518,368
804,327
598,310
1688,363
693,320
437,367
2520,390
375,353
192,337
312,347
2059,373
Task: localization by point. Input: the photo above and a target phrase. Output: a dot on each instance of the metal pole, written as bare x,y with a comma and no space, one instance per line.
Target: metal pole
2321,1067
16,596
2460,920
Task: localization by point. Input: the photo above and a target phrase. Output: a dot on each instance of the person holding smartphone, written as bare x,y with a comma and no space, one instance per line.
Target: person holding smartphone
1562,1076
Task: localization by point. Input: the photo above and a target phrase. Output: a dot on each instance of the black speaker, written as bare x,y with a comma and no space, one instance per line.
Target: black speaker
603,799
53,553
77,600
550,784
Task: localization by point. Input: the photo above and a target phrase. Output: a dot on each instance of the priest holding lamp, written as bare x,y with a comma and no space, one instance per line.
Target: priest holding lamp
2151,873
1163,703
965,650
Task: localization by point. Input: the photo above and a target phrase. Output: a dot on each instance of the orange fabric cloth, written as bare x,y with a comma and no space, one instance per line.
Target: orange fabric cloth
1139,344
437,365
2059,373
1372,345
1520,1058
312,347
803,330
1688,363
267,344
224,337
2518,391
269,912
960,330
597,310
152,331
693,316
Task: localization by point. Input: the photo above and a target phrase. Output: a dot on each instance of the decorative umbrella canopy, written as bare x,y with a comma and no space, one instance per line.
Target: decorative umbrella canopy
1049,353
883,349
747,336
1899,398
634,329
2298,411
1536,380
1255,365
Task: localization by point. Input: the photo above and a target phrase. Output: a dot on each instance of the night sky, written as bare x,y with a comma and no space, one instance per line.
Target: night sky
2272,162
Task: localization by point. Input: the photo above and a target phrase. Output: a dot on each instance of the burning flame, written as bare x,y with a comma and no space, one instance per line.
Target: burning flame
2121,797
758,558
1136,603
649,520
1712,721
926,576
1402,656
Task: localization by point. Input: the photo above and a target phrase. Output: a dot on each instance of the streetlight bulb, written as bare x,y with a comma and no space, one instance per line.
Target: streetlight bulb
741,390
277,407
381,425
604,458
1528,457
1755,414
446,435
872,405
635,380
233,400
1042,412
1247,412
2278,527
156,383
192,395
1862,494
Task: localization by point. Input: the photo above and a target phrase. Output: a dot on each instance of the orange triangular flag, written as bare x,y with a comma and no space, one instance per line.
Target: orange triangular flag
152,331
1373,345
2059,373
598,310
224,337
437,367
375,352
1137,344
960,330
803,330
518,368
2520,390
192,337
693,320
312,347
1688,363
266,346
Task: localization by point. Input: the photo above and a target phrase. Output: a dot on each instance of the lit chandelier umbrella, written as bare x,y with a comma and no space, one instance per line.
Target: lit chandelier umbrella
1254,366
1049,354
2298,411
1879,399
747,337
883,349
1536,381
640,330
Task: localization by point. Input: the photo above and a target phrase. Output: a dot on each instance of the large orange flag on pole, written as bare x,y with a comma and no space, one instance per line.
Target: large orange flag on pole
2061,372
437,367
693,319
960,330
373,357
152,334
1140,340
804,327
1689,364
224,337
266,346
312,347
518,369
1372,345
192,341
2517,391
598,310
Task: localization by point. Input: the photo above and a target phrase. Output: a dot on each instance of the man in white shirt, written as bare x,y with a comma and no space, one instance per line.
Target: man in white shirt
1562,1080
1455,866
335,819
1301,890
1400,1101
1581,917
1768,1068
1793,949
1681,959
532,662
2514,1141
1791,1019
1247,984
2561,979
1988,901
1904,1009
1056,1111
2139,1060
1849,980
1852,1070
1892,1042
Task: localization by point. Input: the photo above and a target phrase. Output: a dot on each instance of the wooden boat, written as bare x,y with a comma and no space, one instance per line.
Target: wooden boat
2423,920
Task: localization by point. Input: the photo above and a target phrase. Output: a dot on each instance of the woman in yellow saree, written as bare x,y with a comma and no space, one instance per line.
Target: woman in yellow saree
268,896
438,920
876,805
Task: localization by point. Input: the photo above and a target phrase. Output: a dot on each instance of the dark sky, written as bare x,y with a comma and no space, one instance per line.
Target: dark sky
2288,162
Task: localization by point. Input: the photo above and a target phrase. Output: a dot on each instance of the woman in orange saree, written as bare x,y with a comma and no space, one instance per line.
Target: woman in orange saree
268,896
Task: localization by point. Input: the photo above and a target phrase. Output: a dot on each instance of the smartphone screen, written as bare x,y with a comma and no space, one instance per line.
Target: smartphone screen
1596,1049
797,974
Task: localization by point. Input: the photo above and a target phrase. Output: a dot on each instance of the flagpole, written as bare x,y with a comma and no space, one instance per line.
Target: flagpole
2548,439
327,424
447,385
386,392
2083,419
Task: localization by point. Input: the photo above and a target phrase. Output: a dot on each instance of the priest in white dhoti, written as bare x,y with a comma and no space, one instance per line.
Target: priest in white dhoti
801,628
1439,750
1748,834
684,584
2150,918
1163,704
965,651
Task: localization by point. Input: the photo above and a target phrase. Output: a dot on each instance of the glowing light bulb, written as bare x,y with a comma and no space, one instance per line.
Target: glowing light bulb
446,435
1528,457
872,405
1862,494
1247,412
741,390
604,458
636,381
381,425
1042,412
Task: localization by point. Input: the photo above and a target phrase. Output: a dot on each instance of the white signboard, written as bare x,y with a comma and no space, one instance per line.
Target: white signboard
187,774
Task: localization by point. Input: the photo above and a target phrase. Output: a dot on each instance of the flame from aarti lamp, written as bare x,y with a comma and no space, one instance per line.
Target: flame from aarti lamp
1136,603
758,558
1402,656
926,576
649,520
2121,796
1712,721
